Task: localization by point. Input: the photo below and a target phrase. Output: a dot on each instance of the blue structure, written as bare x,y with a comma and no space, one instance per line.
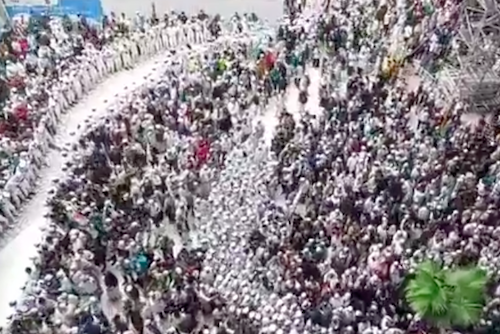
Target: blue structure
91,9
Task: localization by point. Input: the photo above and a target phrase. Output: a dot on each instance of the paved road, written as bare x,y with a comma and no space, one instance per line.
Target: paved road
268,9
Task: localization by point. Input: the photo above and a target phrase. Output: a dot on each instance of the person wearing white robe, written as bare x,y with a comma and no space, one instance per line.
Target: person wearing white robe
157,39
21,186
189,33
44,55
100,65
36,157
176,36
126,55
109,61
84,76
117,56
134,47
59,96
149,43
8,210
76,84
25,169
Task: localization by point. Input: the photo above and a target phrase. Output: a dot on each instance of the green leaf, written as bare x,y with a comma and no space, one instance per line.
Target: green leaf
447,297
469,280
425,293
464,312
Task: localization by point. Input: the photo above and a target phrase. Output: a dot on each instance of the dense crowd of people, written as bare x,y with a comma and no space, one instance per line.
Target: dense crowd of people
49,65
180,216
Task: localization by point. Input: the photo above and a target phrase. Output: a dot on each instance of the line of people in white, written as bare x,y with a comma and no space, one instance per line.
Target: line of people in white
176,78
82,76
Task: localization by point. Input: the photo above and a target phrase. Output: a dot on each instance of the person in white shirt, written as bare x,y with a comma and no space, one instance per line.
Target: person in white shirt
125,54
7,209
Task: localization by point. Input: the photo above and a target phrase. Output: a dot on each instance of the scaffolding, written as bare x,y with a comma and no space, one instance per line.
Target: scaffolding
474,77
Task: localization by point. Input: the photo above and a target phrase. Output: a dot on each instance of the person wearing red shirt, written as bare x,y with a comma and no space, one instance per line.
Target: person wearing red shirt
269,59
21,112
24,46
202,152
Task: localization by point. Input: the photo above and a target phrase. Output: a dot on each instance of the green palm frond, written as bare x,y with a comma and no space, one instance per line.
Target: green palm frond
468,300
463,312
447,297
470,281
426,293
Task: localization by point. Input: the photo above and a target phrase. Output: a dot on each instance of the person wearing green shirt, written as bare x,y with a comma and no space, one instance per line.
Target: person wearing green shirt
14,162
98,224
295,60
275,77
428,8
183,96
257,52
221,65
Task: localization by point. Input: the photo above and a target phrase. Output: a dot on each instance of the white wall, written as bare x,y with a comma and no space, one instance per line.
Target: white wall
268,9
